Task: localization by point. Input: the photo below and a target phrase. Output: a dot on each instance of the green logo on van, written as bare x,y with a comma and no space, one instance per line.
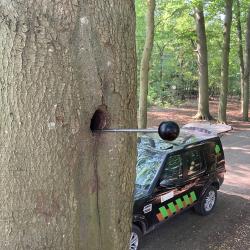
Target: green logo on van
217,149
176,206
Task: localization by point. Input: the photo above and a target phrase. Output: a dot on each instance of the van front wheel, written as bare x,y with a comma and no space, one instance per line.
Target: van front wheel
135,238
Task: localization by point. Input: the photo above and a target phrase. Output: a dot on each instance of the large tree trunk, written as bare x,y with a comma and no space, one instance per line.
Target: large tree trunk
144,70
225,63
240,50
203,102
246,71
63,187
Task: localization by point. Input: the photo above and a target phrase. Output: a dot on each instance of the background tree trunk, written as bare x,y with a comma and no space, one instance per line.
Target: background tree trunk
63,187
161,49
203,102
222,117
144,70
246,71
240,50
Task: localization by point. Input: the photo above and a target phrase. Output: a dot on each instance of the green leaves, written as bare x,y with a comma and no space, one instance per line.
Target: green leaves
174,61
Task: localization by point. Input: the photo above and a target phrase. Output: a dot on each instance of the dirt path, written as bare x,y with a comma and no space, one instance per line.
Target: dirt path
226,228
237,154
229,226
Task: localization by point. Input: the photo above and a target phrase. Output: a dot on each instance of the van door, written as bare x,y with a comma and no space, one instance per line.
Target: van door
195,168
170,200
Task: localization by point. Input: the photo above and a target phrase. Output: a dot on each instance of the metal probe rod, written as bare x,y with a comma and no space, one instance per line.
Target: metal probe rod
128,130
168,131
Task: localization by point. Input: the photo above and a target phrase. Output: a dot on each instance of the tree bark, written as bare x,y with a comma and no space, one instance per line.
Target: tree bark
144,70
62,186
240,49
225,63
203,102
246,71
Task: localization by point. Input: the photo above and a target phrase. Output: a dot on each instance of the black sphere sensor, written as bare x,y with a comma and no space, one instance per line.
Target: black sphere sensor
169,130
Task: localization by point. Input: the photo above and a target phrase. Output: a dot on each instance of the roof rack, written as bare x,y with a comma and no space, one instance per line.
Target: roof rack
207,128
198,129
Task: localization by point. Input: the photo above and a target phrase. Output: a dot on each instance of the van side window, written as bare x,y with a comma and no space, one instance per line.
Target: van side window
218,152
211,156
193,162
215,152
173,168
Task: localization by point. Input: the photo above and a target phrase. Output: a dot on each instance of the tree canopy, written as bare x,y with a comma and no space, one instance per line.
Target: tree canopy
173,68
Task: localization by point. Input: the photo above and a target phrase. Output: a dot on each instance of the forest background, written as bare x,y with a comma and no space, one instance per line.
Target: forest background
173,77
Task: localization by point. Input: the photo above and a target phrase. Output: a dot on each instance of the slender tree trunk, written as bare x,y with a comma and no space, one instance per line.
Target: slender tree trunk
161,58
240,50
63,187
222,117
203,102
247,71
161,66
144,70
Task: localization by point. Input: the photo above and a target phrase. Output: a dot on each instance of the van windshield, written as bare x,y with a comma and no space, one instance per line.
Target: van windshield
149,161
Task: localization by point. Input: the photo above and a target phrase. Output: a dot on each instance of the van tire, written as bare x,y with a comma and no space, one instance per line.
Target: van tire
207,203
136,233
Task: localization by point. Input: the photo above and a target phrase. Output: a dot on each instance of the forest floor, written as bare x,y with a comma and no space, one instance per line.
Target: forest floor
184,113
228,227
